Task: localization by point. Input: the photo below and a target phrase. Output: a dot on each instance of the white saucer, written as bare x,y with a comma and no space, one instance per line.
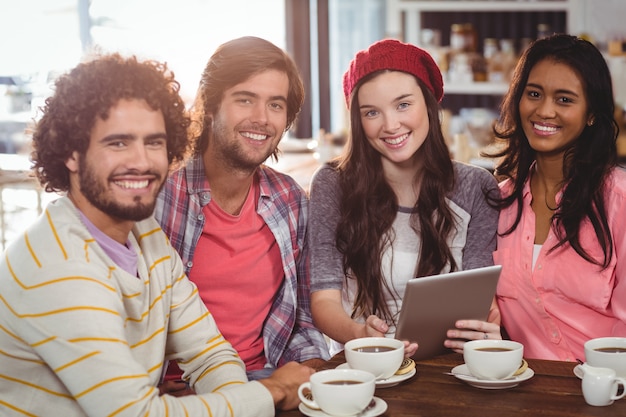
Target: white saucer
379,408
461,372
392,381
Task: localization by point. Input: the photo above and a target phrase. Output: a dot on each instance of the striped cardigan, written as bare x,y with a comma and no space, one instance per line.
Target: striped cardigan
80,336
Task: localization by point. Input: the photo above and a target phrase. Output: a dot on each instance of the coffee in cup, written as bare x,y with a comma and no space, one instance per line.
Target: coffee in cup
493,359
607,352
382,356
339,392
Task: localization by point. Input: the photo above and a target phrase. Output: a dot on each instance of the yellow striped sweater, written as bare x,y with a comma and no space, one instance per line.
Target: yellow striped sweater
81,337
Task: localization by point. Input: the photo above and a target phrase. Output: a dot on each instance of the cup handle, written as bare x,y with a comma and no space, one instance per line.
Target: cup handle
619,381
309,403
579,371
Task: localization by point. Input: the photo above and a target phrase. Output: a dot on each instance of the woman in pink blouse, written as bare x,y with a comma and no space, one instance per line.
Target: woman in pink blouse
562,228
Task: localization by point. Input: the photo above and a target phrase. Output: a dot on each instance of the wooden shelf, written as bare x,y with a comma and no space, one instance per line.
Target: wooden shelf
407,13
500,19
482,5
484,88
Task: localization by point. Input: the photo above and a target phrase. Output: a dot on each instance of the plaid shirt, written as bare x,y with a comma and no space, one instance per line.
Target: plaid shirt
288,332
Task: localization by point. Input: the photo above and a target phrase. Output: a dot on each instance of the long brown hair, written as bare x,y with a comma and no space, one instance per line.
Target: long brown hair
369,206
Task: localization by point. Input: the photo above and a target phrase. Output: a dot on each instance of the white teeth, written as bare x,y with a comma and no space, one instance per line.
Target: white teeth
545,128
132,184
253,136
395,141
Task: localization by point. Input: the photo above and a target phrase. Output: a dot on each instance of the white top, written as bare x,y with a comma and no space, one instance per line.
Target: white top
536,250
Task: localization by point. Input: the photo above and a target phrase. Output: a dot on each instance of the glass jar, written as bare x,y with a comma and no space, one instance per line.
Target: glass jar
457,38
543,30
490,48
463,37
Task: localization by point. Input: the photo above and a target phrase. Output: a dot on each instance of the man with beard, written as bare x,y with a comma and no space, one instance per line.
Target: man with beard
238,225
93,299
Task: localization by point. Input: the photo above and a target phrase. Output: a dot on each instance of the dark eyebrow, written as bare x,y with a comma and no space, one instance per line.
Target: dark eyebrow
125,136
245,93
117,136
561,91
159,135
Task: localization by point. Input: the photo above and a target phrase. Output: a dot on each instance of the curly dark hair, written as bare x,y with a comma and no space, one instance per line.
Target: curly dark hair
587,163
369,207
88,92
232,63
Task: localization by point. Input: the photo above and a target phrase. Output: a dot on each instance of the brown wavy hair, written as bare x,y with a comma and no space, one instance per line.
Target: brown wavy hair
232,63
88,92
369,206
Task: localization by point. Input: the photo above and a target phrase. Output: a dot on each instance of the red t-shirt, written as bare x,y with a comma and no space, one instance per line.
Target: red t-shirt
238,270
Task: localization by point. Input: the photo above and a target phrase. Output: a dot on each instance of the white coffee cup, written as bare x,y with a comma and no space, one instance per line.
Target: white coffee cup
493,359
339,392
382,356
607,352
600,385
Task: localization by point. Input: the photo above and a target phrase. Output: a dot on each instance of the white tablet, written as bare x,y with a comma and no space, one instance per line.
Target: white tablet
431,305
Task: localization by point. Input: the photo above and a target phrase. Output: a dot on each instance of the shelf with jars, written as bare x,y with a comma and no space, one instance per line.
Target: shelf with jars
476,43
404,17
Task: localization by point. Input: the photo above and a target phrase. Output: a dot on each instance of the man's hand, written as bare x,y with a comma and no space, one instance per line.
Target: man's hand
284,384
177,388
317,364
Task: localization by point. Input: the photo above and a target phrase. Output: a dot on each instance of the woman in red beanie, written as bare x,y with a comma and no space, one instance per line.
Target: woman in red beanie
394,206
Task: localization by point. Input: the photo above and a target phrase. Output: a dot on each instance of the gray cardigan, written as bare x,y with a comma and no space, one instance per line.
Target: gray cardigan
476,232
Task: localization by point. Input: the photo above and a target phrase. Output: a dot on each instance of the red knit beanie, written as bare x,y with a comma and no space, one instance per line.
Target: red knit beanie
391,54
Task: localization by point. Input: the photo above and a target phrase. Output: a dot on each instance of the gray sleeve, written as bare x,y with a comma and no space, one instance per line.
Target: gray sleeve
326,261
472,185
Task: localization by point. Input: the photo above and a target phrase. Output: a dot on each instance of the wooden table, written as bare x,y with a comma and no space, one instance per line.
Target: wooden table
553,391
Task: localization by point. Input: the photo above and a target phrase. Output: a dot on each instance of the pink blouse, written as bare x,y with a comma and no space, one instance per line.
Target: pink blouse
564,301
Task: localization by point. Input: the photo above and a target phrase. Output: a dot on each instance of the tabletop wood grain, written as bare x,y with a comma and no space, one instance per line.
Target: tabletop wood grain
554,390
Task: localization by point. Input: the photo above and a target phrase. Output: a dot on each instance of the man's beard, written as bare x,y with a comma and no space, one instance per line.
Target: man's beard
233,152
95,193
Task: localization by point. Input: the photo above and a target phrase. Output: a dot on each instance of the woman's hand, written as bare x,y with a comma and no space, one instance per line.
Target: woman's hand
409,348
471,330
475,329
375,327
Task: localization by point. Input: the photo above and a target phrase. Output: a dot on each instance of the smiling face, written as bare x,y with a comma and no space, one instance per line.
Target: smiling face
394,116
251,120
553,107
119,176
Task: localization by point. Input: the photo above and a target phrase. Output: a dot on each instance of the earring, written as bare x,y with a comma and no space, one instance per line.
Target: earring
590,122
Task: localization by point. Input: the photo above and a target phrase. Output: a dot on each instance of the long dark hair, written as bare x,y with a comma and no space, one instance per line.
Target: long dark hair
587,162
369,206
